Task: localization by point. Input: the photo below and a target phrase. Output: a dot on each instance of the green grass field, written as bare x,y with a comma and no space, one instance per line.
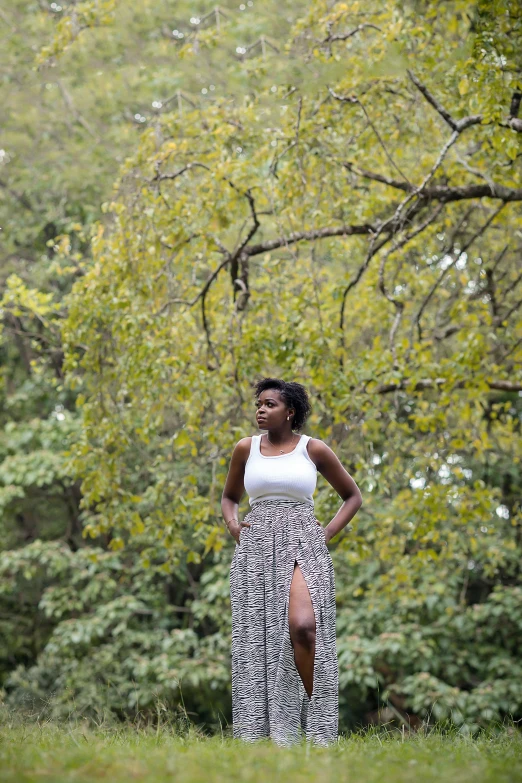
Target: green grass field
50,752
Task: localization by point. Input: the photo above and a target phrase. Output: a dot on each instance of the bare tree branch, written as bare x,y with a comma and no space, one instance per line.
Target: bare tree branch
293,143
255,220
309,236
160,177
344,36
203,292
446,116
438,281
456,125
444,193
510,312
397,303
394,183
207,328
239,256
430,383
515,124
355,99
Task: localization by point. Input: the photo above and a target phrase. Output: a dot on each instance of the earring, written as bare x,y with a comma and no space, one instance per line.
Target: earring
287,418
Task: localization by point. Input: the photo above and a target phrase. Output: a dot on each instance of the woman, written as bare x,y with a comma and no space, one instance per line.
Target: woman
284,659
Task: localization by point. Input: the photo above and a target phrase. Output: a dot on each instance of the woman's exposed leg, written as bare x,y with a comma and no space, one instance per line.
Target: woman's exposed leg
301,620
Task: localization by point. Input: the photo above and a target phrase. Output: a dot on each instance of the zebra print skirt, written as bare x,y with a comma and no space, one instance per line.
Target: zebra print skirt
268,696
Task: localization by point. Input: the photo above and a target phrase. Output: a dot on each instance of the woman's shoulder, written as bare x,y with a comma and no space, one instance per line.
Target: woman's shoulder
313,442
316,448
243,445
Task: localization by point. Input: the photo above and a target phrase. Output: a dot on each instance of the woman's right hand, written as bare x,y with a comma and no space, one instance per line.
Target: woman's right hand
235,529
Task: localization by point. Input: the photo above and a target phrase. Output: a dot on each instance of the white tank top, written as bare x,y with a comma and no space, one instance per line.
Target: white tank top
289,476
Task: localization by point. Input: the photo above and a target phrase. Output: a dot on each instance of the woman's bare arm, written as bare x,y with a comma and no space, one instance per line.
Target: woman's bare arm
329,466
234,485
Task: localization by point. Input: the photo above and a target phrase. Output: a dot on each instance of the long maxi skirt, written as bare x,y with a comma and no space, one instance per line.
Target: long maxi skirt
268,696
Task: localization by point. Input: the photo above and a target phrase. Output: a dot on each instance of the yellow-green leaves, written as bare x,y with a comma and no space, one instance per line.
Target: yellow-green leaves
84,15
20,300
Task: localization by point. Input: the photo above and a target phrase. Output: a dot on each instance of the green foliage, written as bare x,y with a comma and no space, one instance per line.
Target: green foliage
119,641
80,17
80,81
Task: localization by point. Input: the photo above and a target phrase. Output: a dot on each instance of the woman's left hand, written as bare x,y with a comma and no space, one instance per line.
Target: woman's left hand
325,532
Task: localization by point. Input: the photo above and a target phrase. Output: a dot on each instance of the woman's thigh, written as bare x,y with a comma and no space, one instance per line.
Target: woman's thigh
301,618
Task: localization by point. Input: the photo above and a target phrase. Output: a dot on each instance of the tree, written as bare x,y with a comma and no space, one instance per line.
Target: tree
356,230
74,107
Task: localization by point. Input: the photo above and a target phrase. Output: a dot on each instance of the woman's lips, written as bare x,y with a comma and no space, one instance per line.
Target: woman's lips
260,420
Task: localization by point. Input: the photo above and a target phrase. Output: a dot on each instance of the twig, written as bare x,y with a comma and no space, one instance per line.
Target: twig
438,281
344,36
355,99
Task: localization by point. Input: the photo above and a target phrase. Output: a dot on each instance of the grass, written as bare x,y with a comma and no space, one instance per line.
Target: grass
74,752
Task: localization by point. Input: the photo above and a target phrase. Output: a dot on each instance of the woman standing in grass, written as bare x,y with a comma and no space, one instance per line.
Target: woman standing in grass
282,589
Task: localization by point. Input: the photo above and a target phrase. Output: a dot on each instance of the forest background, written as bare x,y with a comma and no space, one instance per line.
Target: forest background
193,197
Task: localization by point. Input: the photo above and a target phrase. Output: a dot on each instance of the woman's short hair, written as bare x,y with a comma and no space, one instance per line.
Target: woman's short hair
294,395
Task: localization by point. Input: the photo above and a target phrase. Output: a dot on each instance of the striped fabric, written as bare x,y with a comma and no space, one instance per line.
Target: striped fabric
268,696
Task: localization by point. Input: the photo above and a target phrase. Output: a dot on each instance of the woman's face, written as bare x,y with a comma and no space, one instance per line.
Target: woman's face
271,410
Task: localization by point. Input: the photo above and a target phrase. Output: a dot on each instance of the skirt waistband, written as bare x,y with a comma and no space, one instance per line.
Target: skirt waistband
281,502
